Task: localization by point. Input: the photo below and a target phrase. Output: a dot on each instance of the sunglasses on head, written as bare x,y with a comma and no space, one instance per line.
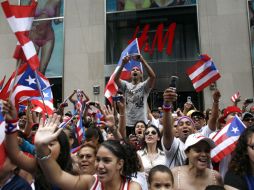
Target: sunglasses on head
150,132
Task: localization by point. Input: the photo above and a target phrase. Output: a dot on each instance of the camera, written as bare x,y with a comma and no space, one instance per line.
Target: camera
173,82
249,100
117,98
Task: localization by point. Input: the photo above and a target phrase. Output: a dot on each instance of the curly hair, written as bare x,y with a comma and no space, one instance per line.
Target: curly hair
240,163
126,151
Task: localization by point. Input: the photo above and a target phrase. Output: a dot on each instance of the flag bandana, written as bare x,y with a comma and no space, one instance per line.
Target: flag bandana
203,73
20,19
132,49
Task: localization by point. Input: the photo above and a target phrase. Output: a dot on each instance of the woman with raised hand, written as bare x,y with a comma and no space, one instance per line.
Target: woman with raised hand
115,162
58,146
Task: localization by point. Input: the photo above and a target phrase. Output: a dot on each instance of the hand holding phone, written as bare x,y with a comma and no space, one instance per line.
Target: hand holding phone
173,82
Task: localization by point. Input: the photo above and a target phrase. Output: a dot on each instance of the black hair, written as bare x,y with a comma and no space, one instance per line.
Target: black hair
160,168
94,132
214,187
240,163
126,151
159,135
20,114
64,161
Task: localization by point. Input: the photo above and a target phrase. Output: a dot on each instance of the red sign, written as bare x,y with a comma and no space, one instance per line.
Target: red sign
158,39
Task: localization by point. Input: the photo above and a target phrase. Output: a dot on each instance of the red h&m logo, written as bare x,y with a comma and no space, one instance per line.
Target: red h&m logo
158,39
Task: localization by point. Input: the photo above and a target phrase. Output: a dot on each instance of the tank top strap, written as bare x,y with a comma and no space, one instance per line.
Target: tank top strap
95,184
213,176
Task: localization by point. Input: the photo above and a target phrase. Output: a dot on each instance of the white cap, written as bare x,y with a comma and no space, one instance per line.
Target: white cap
195,138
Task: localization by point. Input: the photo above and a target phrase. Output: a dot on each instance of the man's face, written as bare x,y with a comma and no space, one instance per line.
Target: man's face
136,73
199,121
22,121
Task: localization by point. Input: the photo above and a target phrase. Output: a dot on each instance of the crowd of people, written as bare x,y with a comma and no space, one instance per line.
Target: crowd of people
126,145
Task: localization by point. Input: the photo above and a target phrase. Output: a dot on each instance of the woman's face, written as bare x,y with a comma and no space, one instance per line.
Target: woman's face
199,155
139,129
54,146
161,181
86,160
151,136
107,165
250,148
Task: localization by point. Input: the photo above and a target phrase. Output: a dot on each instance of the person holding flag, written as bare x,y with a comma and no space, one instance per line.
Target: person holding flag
137,91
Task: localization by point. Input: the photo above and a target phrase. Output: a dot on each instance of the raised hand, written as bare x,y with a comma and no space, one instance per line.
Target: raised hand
48,131
216,96
126,59
108,112
9,111
169,96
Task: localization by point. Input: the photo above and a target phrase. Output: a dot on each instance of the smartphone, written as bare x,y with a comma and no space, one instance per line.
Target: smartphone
117,98
173,82
249,100
189,99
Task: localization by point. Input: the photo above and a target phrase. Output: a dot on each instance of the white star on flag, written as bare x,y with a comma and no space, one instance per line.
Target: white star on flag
46,95
235,130
30,80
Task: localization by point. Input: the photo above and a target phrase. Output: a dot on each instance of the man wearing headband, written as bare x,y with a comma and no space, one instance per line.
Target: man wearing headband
172,146
136,91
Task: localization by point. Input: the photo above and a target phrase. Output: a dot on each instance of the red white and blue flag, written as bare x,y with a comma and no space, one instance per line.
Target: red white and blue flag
203,73
111,87
79,130
235,97
20,19
2,83
226,139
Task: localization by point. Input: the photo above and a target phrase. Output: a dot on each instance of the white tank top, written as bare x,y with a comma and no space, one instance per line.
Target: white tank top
98,186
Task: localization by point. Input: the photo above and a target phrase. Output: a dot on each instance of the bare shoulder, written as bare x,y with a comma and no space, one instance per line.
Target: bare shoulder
134,186
85,182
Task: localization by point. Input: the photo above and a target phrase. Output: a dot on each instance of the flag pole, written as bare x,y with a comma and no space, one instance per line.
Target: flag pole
15,77
42,96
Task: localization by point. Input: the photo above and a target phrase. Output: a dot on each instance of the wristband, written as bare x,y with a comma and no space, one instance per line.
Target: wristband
43,157
167,108
10,127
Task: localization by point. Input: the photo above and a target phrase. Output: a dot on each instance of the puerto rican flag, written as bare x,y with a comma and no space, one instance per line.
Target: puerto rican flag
111,87
2,83
20,19
226,139
2,136
235,97
79,130
203,73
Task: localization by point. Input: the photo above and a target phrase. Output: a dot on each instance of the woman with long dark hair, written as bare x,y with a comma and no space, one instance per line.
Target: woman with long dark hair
152,154
241,168
116,161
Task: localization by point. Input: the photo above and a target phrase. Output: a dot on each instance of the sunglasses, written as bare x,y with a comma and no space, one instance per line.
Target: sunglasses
197,117
150,132
249,119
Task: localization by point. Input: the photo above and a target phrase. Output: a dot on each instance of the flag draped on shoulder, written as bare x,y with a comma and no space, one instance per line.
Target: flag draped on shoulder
111,87
203,73
226,139
20,19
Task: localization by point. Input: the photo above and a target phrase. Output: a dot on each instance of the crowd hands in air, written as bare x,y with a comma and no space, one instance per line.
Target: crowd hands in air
170,151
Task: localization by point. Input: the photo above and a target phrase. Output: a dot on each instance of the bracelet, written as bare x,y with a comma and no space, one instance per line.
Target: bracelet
10,127
167,108
43,157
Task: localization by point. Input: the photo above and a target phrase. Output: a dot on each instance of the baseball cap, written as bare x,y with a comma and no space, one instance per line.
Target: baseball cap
229,110
195,138
247,115
197,113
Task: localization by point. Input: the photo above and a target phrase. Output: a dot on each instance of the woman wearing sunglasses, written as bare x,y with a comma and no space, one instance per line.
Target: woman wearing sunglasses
152,154
196,174
240,174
